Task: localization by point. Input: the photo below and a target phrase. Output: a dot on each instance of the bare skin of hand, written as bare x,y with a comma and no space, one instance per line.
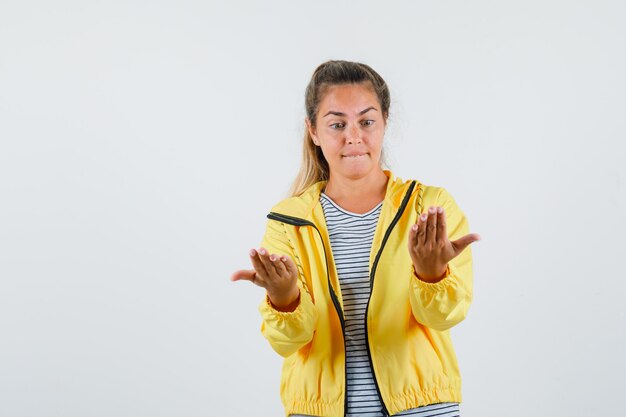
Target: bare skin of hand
430,248
277,274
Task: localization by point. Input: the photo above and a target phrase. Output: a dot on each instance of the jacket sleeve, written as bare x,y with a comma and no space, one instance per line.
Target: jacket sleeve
287,331
445,303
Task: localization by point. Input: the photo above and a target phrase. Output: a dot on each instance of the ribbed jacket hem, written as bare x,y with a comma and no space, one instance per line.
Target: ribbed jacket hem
416,399
396,404
314,408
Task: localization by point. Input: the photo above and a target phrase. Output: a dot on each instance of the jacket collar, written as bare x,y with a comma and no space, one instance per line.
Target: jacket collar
305,205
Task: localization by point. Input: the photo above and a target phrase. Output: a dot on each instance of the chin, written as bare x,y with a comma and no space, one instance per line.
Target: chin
357,171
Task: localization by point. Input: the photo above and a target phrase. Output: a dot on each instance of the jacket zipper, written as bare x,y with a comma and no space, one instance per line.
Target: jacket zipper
395,220
296,221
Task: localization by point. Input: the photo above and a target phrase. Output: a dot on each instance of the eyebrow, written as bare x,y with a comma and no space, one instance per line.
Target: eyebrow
338,113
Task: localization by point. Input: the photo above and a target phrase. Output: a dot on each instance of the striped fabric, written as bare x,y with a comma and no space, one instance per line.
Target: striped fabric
351,236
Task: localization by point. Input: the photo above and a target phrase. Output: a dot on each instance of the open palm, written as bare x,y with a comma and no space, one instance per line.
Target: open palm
430,248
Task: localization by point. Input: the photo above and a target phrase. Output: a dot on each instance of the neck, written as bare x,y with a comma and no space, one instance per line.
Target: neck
372,185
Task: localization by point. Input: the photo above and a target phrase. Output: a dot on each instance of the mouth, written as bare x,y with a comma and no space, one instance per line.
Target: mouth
355,156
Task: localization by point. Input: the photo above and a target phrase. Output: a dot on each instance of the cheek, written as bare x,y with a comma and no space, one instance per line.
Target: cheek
375,143
331,149
333,145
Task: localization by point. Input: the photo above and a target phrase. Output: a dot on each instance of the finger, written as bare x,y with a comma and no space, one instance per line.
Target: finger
442,233
431,225
413,236
421,229
257,264
281,268
290,265
269,265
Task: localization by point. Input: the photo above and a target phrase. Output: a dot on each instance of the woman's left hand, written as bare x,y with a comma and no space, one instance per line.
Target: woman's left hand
430,248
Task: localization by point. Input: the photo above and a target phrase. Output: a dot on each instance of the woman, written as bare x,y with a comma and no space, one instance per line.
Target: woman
365,273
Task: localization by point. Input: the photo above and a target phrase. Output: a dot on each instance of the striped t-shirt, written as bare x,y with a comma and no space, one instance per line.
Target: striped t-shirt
351,236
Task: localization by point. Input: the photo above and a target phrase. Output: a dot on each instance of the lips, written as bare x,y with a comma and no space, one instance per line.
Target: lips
354,154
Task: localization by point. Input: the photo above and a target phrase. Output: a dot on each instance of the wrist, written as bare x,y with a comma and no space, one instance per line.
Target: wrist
431,277
287,303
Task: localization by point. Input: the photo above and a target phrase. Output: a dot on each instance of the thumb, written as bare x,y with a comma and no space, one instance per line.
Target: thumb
461,243
245,274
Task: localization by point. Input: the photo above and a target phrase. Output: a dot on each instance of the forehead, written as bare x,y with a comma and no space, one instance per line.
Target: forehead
348,97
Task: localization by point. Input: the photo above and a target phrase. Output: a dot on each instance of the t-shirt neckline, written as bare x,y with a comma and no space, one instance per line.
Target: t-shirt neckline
338,207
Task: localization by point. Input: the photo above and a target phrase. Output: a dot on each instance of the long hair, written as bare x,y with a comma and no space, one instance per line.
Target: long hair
314,166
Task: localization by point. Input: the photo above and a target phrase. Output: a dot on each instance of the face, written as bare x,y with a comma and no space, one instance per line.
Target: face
350,128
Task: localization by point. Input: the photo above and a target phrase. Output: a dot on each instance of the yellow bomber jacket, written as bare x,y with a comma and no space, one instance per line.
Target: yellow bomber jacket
407,320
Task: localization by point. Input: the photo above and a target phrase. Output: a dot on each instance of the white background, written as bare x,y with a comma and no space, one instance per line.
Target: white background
143,142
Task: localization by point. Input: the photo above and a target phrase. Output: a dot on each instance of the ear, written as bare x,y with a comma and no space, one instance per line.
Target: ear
311,131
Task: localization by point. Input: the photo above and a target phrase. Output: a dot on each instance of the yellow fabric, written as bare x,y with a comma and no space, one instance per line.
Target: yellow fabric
408,320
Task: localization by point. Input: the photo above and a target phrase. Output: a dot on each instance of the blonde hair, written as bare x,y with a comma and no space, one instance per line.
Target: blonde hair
314,166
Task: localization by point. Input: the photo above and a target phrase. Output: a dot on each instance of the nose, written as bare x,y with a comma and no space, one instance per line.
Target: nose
353,135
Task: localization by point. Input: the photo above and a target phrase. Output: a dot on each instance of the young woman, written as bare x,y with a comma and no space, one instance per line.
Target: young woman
365,273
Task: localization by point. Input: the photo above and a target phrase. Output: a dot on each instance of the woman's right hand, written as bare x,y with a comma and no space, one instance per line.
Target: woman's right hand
277,274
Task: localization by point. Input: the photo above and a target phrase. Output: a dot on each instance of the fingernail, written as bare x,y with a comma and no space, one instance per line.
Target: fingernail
262,251
414,227
283,259
252,252
431,210
424,216
272,258
440,209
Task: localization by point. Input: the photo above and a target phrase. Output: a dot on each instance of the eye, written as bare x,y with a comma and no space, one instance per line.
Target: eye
368,124
335,124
